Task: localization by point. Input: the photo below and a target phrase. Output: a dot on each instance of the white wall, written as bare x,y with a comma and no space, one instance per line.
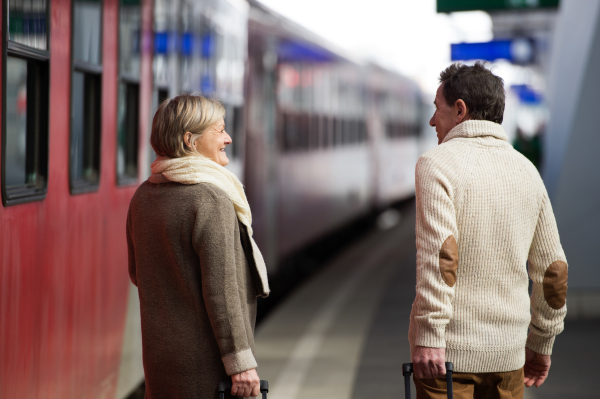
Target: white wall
571,168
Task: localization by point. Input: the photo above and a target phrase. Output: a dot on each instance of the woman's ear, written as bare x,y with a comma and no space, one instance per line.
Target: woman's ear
187,139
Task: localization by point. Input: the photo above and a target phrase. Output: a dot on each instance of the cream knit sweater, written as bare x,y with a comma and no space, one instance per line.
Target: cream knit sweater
482,213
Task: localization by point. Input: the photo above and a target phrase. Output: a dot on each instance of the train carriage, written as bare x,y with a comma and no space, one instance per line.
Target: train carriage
318,139
330,139
72,115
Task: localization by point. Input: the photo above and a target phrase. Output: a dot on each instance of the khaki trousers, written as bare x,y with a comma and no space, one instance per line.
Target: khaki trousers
508,385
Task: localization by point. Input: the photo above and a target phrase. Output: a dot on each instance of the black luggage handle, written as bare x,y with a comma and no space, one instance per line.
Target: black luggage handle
407,369
225,386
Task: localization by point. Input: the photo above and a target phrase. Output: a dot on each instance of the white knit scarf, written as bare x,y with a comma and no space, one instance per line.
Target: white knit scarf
199,169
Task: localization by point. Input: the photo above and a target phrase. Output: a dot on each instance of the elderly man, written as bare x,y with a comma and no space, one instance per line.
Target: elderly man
484,225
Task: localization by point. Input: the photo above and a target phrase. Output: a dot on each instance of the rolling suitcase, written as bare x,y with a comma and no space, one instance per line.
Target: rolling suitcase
407,369
225,386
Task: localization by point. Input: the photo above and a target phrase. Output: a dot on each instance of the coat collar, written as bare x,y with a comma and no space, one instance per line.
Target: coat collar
472,129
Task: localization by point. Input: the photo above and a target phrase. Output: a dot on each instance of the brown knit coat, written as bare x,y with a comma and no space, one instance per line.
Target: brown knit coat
188,256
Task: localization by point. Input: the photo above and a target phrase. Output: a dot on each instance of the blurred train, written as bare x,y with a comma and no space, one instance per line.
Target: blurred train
319,140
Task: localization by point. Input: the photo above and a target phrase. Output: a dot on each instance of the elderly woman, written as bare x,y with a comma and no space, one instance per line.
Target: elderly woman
193,259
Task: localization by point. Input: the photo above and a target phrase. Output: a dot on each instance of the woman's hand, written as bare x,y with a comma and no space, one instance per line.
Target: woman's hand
245,384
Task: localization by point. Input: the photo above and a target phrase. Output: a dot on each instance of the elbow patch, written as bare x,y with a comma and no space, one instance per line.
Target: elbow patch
555,284
449,261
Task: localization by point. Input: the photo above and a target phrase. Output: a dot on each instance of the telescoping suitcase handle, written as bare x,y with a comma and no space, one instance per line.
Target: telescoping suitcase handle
226,386
407,369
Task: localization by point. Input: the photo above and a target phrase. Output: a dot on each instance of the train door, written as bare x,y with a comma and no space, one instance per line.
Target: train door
261,144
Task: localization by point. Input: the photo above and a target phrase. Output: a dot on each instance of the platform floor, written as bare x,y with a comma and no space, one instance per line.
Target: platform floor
343,334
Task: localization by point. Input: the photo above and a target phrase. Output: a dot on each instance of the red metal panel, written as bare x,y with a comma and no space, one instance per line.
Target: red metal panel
63,273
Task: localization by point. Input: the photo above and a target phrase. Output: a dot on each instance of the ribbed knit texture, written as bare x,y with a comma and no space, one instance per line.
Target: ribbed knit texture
476,187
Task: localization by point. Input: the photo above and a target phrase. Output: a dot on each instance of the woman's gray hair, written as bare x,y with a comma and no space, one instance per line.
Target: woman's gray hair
176,116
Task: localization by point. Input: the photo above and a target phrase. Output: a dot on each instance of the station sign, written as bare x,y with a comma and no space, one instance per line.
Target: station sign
493,5
527,95
517,51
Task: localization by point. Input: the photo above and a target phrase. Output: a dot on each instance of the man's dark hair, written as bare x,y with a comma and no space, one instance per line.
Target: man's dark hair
478,87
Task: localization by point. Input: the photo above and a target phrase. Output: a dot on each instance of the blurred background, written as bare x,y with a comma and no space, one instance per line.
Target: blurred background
328,104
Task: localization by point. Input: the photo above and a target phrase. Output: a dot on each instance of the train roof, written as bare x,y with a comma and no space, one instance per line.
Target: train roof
276,24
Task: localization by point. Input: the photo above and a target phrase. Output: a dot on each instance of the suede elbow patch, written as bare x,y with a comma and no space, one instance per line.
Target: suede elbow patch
555,284
449,261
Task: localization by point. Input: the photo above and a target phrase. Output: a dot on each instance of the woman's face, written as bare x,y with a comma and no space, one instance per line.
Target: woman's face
213,142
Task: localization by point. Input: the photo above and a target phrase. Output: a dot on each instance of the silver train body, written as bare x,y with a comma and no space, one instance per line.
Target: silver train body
328,140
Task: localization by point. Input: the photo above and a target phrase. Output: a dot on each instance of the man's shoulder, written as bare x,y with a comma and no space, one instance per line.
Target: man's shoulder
446,156
525,163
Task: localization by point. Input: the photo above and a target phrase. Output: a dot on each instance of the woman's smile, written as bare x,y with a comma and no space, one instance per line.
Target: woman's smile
213,142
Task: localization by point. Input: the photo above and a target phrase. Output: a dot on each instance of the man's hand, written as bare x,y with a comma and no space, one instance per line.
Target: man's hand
429,362
536,368
245,384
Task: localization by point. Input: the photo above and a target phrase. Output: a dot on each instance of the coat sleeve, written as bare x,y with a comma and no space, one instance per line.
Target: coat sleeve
437,255
130,251
548,271
214,240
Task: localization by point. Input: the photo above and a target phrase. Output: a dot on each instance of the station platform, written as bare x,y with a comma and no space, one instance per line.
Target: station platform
344,333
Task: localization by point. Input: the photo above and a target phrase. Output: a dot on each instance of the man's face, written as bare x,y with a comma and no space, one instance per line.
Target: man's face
444,118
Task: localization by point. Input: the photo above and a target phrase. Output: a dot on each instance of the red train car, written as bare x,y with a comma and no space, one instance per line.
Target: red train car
75,110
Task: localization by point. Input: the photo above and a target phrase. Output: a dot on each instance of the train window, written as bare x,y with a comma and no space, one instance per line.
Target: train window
129,89
127,141
86,96
346,131
362,133
25,104
291,132
389,130
159,95
85,131
165,33
338,130
304,132
238,125
354,131
416,131
27,23
129,38
233,126
314,132
163,94
87,31
326,132
229,121
362,128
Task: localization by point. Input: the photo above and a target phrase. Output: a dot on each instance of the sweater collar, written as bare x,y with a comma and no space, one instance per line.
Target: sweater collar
476,128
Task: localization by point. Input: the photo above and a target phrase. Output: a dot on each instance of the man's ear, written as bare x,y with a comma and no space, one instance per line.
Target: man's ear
462,111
